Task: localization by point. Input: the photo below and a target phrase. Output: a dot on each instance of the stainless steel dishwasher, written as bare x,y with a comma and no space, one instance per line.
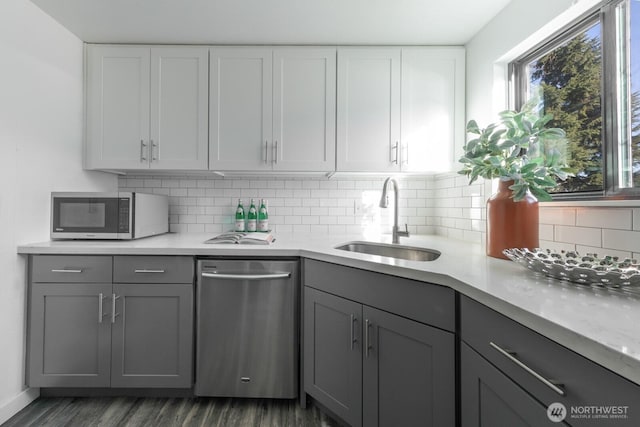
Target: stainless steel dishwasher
247,328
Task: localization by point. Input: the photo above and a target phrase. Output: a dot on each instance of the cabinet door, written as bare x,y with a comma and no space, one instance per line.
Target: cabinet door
179,107
490,398
304,99
408,372
152,337
432,108
69,336
368,115
333,353
117,107
240,108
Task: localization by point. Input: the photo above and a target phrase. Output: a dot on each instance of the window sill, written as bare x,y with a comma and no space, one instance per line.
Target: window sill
592,203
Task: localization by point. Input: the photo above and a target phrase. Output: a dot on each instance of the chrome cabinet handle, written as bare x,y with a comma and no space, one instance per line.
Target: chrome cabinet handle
147,271
275,152
266,151
354,319
553,385
100,310
114,297
395,150
154,156
367,339
142,147
405,161
66,270
265,276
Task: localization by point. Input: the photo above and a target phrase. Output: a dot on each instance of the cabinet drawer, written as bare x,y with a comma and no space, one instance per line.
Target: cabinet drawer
71,269
153,269
583,382
424,302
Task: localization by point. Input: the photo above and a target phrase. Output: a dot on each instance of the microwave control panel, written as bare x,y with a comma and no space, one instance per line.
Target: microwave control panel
123,216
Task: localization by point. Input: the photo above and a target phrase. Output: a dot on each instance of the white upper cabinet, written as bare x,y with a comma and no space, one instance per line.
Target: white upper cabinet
432,108
272,109
179,106
368,115
285,109
146,108
304,109
240,108
399,109
117,107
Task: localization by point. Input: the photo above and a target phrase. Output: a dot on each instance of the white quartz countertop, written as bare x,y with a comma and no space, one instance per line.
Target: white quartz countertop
602,325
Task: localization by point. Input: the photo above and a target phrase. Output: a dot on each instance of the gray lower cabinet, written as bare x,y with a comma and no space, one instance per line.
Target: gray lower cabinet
70,340
510,372
408,372
372,367
152,336
333,353
490,398
86,331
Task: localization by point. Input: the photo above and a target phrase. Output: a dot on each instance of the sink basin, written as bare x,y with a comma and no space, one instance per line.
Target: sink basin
410,253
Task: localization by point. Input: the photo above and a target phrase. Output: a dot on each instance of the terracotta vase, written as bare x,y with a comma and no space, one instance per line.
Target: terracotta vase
511,224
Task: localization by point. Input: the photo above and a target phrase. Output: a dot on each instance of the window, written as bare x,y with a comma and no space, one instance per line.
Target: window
588,77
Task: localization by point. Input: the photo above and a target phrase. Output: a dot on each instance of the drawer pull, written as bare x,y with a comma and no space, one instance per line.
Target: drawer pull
148,271
553,385
66,270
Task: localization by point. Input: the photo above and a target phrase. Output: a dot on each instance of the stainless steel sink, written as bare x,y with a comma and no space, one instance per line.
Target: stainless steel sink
410,253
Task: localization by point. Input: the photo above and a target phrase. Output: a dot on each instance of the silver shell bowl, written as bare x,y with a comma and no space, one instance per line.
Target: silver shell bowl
589,269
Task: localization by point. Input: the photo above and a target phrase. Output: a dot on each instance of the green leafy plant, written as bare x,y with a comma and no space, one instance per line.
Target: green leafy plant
517,148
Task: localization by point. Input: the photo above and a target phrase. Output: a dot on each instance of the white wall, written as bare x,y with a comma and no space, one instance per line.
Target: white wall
486,92
40,151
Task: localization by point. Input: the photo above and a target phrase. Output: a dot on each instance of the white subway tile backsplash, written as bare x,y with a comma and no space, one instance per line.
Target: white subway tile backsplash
196,210
605,218
205,183
578,235
546,232
293,184
560,216
621,240
214,228
195,228
309,220
178,192
443,204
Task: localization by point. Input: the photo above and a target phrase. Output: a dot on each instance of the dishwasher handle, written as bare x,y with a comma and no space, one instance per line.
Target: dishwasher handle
247,276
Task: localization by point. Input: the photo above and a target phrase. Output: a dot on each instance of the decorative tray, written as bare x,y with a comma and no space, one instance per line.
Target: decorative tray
589,269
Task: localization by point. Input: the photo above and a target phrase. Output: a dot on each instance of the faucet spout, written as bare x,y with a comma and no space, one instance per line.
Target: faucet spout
384,203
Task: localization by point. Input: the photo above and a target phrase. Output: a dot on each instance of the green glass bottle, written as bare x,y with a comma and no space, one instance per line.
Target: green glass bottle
239,217
252,217
263,216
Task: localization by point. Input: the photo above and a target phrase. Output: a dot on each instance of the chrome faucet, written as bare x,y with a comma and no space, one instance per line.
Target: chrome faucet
384,203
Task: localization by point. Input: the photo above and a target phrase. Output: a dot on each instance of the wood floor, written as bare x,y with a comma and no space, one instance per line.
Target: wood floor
166,412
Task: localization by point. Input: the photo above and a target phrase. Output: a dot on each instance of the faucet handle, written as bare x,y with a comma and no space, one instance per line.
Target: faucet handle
404,233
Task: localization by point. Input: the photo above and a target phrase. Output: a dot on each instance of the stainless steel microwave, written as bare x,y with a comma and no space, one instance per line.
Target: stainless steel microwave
123,215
